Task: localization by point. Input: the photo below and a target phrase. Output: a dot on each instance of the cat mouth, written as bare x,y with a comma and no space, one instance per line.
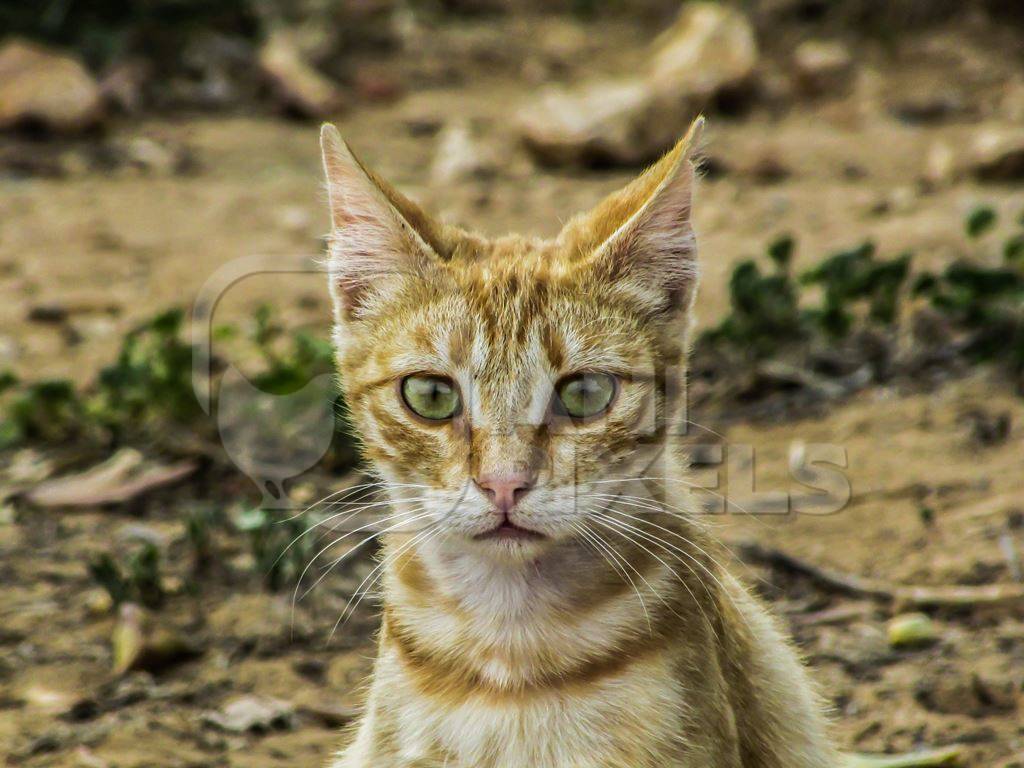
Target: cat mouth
509,531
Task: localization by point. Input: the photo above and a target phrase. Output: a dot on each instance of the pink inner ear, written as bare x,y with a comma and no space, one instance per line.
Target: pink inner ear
655,254
367,244
665,235
362,250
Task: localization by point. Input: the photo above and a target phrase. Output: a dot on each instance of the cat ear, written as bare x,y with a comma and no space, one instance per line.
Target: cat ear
377,234
640,240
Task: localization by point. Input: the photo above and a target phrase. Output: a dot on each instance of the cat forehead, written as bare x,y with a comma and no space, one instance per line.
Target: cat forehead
495,316
507,256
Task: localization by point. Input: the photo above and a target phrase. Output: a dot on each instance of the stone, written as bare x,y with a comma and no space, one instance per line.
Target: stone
596,125
253,714
300,89
377,85
939,165
709,48
137,647
40,87
460,156
822,67
121,86
928,108
150,156
997,155
709,51
955,692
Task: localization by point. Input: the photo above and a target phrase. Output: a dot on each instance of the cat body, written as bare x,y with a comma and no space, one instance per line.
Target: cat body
549,599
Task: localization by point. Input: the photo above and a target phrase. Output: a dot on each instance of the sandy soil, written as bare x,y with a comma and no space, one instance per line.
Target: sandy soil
144,243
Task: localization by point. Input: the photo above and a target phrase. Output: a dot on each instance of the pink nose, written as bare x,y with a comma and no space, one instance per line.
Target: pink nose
504,491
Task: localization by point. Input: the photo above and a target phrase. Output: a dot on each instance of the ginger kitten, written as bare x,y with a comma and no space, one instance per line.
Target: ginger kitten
547,601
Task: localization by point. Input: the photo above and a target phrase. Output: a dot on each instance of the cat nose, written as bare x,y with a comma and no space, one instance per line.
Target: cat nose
504,491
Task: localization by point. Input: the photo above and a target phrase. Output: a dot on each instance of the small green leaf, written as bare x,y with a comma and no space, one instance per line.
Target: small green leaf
251,520
1013,250
979,221
7,381
780,251
912,630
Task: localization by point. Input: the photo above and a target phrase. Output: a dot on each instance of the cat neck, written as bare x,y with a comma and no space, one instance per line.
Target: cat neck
512,625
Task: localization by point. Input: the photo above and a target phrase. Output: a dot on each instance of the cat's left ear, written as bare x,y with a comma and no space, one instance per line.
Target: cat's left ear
640,240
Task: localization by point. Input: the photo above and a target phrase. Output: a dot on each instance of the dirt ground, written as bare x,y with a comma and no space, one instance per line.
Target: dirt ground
929,504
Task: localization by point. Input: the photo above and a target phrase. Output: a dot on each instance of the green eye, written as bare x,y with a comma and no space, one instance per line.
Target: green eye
432,397
586,394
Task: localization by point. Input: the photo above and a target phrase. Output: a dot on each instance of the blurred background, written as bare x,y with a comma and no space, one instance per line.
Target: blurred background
861,220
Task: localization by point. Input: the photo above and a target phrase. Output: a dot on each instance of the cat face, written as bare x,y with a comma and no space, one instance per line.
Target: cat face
503,389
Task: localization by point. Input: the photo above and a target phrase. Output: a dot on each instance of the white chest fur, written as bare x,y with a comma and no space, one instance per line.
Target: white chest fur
564,728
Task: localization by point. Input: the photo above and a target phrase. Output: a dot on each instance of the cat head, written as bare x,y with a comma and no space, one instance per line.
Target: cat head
504,388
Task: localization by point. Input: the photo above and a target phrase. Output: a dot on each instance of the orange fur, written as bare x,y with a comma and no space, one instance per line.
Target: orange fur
613,637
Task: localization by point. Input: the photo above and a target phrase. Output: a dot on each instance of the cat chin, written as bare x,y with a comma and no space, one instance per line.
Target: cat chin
517,549
509,546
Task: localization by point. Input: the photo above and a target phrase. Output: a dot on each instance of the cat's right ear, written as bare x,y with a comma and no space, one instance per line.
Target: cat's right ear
378,236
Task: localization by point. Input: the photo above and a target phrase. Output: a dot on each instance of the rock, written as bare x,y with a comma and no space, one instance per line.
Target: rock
152,156
988,429
708,52
939,165
822,68
953,692
459,156
600,124
998,155
911,630
928,109
710,49
122,85
930,328
768,169
253,714
42,88
25,159
52,312
86,758
300,89
1011,106
329,712
138,649
294,218
774,376
376,85
258,621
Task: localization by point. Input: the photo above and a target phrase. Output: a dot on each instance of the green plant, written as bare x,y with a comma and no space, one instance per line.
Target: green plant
150,381
853,277
290,360
984,301
138,580
979,221
200,525
280,547
47,411
765,313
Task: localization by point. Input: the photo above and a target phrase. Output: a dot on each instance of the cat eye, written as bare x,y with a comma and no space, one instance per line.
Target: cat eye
584,395
432,397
